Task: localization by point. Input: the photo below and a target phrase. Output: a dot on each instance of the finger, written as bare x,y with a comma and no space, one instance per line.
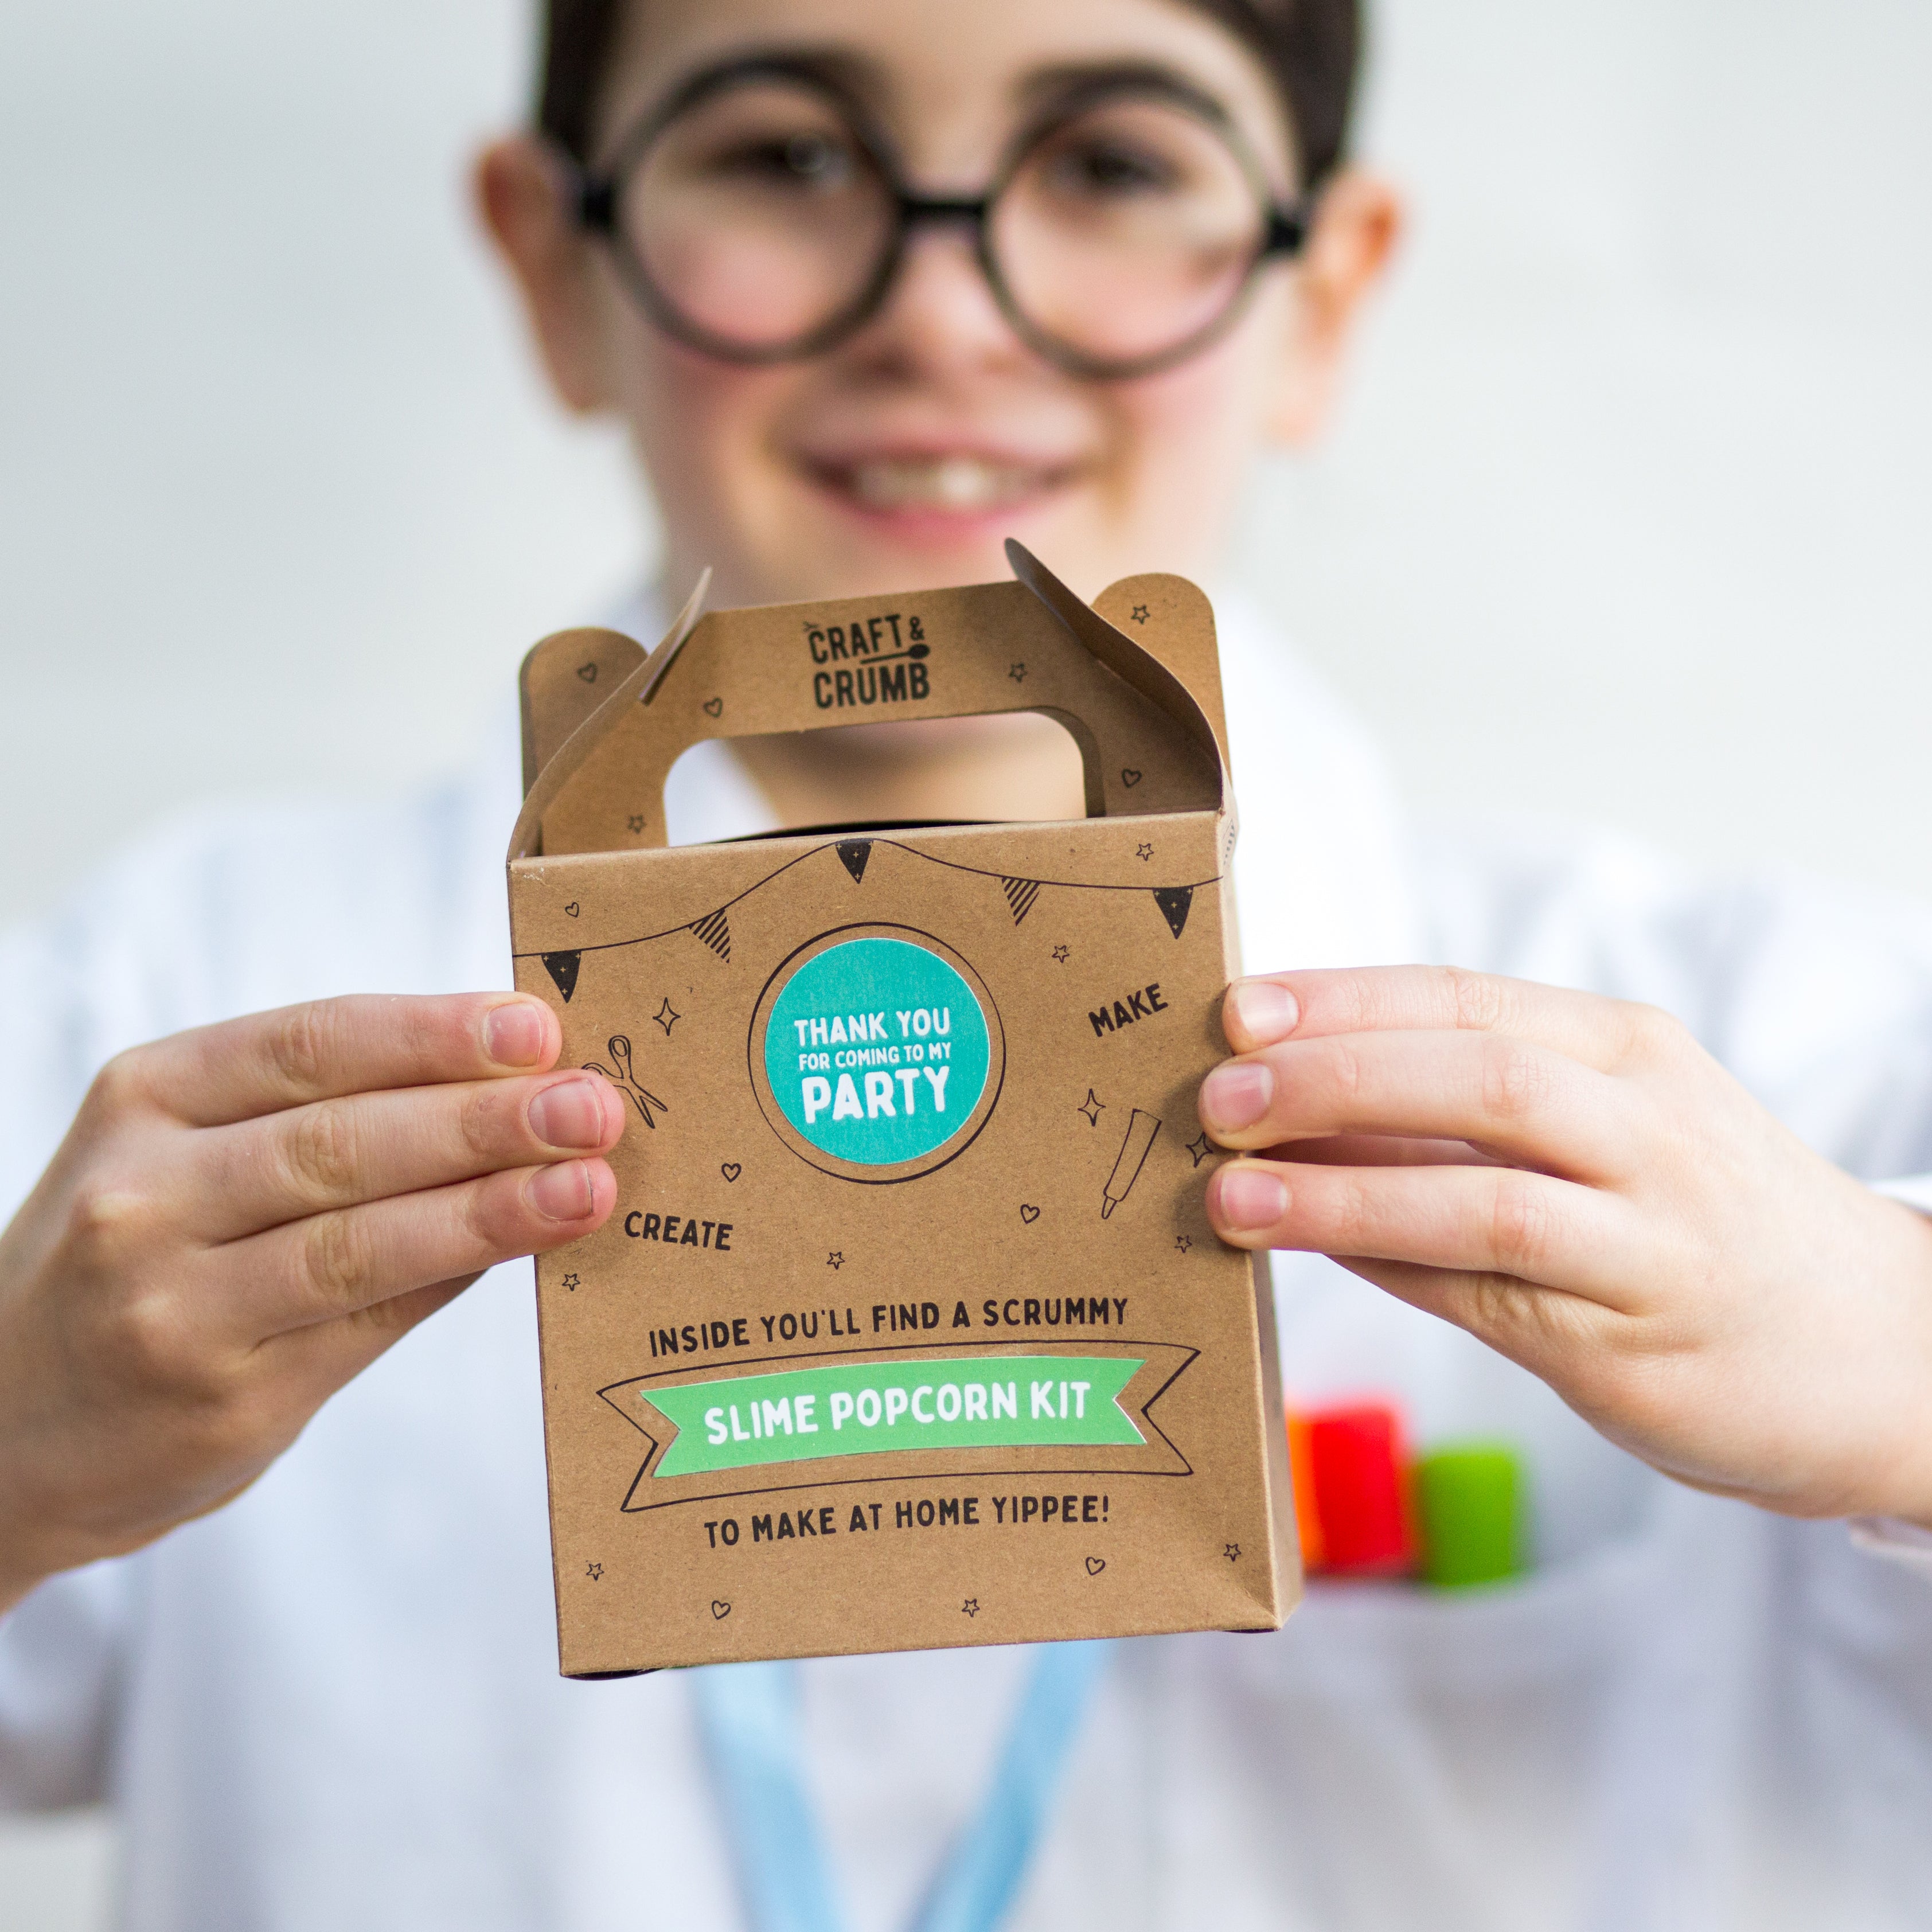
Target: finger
349,1259
1491,1221
1602,1033
1565,1339
243,1069
368,1147
1538,1107
1381,1150
316,1360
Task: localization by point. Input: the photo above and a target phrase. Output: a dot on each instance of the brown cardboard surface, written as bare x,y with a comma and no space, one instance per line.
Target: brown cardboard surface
1053,1228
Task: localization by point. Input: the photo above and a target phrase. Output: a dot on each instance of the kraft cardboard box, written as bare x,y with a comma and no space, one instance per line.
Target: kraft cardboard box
909,1329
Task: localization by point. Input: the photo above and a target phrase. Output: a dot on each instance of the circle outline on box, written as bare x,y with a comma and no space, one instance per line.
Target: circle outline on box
948,1151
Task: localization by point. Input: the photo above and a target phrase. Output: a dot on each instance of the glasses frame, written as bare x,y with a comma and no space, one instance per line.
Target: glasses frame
597,203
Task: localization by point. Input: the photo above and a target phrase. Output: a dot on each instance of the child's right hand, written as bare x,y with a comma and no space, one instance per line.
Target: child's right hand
241,1219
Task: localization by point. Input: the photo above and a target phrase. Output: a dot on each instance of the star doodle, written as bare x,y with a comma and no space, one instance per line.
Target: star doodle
594,1571
1139,613
1183,1242
835,1260
1143,852
667,1016
1093,1107
573,1283
635,821
970,1607
1232,1551
1201,1148
1060,953
1017,672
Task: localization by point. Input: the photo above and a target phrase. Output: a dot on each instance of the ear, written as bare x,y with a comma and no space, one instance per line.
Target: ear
523,199
1358,223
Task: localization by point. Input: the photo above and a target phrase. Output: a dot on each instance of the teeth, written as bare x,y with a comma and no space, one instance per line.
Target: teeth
943,482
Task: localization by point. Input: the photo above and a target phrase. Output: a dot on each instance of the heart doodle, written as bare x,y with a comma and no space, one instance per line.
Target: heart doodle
1095,1564
730,1170
1130,777
572,908
1028,1212
720,1608
713,707
588,672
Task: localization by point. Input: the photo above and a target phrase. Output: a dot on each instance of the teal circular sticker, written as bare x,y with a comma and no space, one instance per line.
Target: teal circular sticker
877,1051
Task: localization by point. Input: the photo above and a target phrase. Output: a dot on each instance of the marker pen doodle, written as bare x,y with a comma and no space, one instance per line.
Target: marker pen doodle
1141,1131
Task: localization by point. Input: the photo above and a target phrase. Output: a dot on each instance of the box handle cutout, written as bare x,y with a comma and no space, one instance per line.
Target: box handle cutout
595,769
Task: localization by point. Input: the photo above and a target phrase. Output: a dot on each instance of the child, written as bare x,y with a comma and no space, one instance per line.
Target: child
755,228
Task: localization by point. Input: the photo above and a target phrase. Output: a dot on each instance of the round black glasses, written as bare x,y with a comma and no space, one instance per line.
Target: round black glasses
758,216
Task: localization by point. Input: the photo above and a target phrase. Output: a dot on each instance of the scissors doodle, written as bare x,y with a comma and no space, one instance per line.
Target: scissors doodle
620,1053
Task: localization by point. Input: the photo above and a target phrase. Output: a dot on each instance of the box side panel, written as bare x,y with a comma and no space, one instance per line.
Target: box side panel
1055,1248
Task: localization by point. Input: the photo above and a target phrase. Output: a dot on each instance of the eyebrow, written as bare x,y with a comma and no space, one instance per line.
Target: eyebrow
861,78
862,82
856,76
1048,88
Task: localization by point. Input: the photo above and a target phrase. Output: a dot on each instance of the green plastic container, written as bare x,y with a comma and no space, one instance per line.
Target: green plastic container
1471,1501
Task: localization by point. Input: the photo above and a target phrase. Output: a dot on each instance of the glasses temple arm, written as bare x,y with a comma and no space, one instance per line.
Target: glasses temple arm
593,201
1288,228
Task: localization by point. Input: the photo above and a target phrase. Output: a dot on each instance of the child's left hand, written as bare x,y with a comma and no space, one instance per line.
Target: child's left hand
1575,1181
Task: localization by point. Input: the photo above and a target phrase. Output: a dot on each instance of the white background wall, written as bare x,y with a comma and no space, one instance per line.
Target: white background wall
1629,518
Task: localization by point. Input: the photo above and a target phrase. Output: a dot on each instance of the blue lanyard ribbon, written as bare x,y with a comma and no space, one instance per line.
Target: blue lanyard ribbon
749,1715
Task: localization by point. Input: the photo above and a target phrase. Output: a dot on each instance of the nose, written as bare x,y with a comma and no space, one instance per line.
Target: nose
940,314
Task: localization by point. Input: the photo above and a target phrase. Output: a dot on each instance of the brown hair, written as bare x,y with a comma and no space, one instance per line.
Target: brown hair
1312,47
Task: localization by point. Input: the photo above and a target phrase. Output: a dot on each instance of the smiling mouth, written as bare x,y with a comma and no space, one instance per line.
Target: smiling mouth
952,484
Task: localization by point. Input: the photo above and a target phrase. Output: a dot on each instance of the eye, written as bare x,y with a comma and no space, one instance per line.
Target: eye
808,160
1111,169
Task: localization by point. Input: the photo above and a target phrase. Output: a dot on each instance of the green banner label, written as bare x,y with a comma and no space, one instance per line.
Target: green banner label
987,1402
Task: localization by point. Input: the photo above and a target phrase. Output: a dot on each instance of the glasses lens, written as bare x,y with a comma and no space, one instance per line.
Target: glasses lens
1128,231
757,215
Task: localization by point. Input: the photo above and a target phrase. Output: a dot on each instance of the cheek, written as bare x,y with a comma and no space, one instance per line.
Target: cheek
684,407
702,429
1187,437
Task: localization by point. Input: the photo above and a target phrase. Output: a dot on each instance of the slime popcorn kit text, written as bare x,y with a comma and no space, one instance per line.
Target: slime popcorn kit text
909,1329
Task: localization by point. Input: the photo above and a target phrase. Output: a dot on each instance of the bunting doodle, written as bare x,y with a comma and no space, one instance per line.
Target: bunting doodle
1174,902
715,932
1021,894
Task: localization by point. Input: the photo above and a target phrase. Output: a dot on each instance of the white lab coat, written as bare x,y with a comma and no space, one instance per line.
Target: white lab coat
334,1704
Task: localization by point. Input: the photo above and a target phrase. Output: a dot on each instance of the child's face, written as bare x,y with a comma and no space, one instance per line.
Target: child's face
903,456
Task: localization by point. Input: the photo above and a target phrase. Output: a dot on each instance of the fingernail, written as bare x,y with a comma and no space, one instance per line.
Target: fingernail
1248,1198
515,1035
1265,1013
570,1114
1235,1095
562,1192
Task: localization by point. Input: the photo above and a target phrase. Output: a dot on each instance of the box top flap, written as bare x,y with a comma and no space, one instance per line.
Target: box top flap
603,725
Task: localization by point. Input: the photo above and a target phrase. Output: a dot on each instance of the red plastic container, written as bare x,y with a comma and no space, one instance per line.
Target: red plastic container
1359,1466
